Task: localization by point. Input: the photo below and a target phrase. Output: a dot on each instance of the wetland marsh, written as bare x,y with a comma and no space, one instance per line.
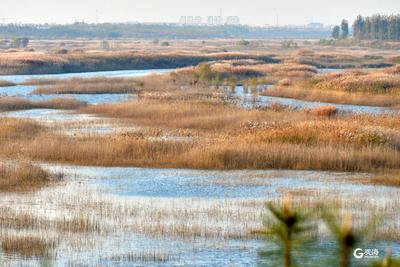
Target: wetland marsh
169,167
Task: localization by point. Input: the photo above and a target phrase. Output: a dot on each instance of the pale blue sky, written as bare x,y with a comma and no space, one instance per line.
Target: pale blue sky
254,12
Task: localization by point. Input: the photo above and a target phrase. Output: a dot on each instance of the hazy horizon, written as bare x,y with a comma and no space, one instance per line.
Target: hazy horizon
252,12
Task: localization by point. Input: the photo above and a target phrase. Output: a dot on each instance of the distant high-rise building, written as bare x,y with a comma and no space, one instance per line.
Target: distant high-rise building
232,20
218,20
190,20
210,20
315,25
214,20
197,20
182,20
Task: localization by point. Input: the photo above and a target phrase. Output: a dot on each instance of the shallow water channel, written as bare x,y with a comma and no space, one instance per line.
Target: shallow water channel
25,91
247,98
168,217
250,99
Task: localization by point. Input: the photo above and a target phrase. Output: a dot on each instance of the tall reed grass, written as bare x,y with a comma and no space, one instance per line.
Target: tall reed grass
375,88
45,63
26,246
14,103
22,177
100,85
231,138
6,83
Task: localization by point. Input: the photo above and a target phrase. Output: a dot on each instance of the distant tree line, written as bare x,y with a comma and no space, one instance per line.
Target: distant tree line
342,31
378,27
155,31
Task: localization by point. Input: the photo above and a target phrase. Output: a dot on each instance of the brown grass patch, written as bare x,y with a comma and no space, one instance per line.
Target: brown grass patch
282,70
390,179
323,132
234,138
340,59
189,114
6,83
395,70
28,220
229,154
275,71
13,129
26,246
333,96
80,224
246,140
226,137
99,85
375,82
45,63
284,82
23,177
325,111
14,103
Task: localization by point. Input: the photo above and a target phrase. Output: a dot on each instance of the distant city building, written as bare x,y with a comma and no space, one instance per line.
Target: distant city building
315,25
232,20
190,20
210,20
198,20
182,20
214,20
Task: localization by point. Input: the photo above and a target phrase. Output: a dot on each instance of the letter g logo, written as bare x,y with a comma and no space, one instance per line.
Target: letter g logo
358,253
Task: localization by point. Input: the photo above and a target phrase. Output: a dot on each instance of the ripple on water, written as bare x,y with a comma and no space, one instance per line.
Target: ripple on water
164,217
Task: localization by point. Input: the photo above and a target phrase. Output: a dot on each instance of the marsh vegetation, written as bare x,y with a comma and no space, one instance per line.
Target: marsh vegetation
179,172
375,88
14,103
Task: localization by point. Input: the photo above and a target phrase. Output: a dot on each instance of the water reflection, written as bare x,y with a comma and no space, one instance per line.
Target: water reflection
250,97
